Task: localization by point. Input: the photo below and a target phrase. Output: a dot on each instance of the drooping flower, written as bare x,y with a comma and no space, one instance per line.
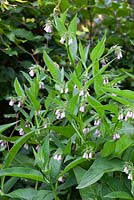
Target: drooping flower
11,102
97,122
118,51
61,179
82,108
85,155
59,114
130,176
105,81
48,28
66,90
70,41
62,40
126,170
85,131
97,133
116,136
26,146
120,116
31,72
81,93
57,157
41,85
20,104
21,131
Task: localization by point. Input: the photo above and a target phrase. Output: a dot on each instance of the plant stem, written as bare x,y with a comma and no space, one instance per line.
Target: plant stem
54,192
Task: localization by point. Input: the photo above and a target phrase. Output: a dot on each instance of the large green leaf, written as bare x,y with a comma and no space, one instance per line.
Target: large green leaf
98,50
18,88
122,144
31,194
73,164
14,150
108,148
94,103
72,107
97,170
66,131
73,25
33,99
22,172
55,72
119,195
128,94
88,193
59,22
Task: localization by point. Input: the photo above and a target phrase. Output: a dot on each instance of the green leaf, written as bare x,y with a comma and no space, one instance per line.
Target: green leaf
6,126
72,106
73,26
98,50
76,80
18,89
34,89
73,49
74,164
45,150
94,103
66,131
98,82
31,194
55,72
128,94
81,50
14,150
22,172
33,99
119,195
122,144
55,167
67,150
97,170
10,183
88,192
23,33
60,26
108,148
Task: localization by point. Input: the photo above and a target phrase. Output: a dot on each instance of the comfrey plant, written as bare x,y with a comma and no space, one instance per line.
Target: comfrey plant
74,131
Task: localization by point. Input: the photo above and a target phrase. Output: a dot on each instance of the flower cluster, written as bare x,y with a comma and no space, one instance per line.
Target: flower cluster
57,157
129,115
128,170
60,114
13,101
97,133
117,50
97,122
87,155
85,130
116,136
69,41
